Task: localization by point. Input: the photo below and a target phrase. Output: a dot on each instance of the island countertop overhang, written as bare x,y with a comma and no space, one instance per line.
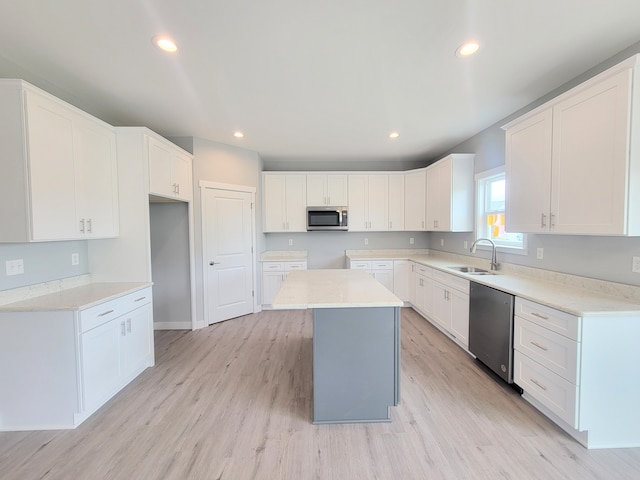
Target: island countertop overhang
333,288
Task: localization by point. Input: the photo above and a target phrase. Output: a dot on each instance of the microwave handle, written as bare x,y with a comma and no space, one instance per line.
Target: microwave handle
343,217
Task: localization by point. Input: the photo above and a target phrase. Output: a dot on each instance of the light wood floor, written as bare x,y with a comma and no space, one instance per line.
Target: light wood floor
233,402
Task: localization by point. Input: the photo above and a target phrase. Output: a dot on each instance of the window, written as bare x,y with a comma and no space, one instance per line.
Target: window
490,215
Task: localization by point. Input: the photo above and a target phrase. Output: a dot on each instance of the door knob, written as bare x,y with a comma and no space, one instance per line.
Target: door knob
214,263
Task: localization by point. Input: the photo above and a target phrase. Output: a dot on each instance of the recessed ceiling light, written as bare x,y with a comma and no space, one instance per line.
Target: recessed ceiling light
394,135
238,134
468,48
165,43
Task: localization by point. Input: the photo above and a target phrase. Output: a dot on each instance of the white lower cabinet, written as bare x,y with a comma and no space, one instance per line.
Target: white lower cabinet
402,279
580,371
75,359
423,289
381,270
451,305
273,274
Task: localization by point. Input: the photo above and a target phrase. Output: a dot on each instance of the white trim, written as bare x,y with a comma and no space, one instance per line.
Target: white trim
489,173
227,186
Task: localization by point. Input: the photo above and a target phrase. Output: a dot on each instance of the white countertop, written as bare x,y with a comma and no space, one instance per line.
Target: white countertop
284,256
78,298
335,288
576,295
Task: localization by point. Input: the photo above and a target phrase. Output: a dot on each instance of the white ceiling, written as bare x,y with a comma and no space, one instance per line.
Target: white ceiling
311,79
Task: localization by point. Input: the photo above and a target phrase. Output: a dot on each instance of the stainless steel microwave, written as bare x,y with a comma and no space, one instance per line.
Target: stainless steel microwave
327,218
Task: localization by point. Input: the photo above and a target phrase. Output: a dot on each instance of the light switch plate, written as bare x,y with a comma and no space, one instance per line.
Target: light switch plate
75,259
14,267
635,265
540,253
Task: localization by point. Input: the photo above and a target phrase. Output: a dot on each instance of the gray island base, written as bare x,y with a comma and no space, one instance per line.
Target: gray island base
356,343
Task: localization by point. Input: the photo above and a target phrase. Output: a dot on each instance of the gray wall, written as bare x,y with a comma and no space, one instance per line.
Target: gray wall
605,258
326,249
217,162
43,262
169,237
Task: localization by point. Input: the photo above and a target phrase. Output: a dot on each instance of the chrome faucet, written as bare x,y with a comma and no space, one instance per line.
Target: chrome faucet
494,263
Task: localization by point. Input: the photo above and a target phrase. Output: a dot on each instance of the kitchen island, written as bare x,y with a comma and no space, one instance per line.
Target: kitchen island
356,343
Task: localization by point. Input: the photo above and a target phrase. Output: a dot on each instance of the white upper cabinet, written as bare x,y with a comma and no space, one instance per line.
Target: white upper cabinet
326,190
284,202
449,206
170,171
58,176
368,203
415,191
573,165
396,201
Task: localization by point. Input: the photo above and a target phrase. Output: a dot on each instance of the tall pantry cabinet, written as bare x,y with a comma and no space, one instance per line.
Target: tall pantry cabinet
151,220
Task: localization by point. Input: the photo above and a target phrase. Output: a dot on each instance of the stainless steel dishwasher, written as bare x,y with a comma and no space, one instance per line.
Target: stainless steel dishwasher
491,329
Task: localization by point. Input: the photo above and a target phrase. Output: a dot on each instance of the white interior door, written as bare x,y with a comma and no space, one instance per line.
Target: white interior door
228,262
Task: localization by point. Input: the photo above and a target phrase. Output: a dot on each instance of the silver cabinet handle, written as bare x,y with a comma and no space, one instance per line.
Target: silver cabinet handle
178,188
105,313
552,220
89,227
82,226
535,314
543,220
122,329
538,383
536,344
139,299
422,223
129,325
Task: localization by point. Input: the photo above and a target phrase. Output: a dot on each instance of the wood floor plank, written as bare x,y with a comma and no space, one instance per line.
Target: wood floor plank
234,401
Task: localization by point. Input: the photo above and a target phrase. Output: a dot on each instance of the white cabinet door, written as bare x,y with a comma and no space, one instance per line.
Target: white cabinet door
137,341
450,194
368,203
441,313
284,203
415,187
337,190
459,325
101,363
170,170
424,294
316,190
528,173
97,207
378,202
358,220
589,164
295,199
51,164
396,201
326,190
385,277
271,283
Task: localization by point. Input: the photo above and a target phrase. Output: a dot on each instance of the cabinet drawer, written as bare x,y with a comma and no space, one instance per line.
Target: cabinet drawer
453,281
290,266
361,265
382,265
555,320
422,270
104,312
556,352
553,391
272,266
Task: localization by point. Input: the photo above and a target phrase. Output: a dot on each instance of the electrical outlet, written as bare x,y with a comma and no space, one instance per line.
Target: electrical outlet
635,265
291,242
75,259
366,241
411,241
442,242
540,253
466,244
14,267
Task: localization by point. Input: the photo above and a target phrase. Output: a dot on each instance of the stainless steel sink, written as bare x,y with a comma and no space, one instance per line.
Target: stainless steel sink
472,270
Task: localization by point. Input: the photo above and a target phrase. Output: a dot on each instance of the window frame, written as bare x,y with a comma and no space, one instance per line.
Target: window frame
482,179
